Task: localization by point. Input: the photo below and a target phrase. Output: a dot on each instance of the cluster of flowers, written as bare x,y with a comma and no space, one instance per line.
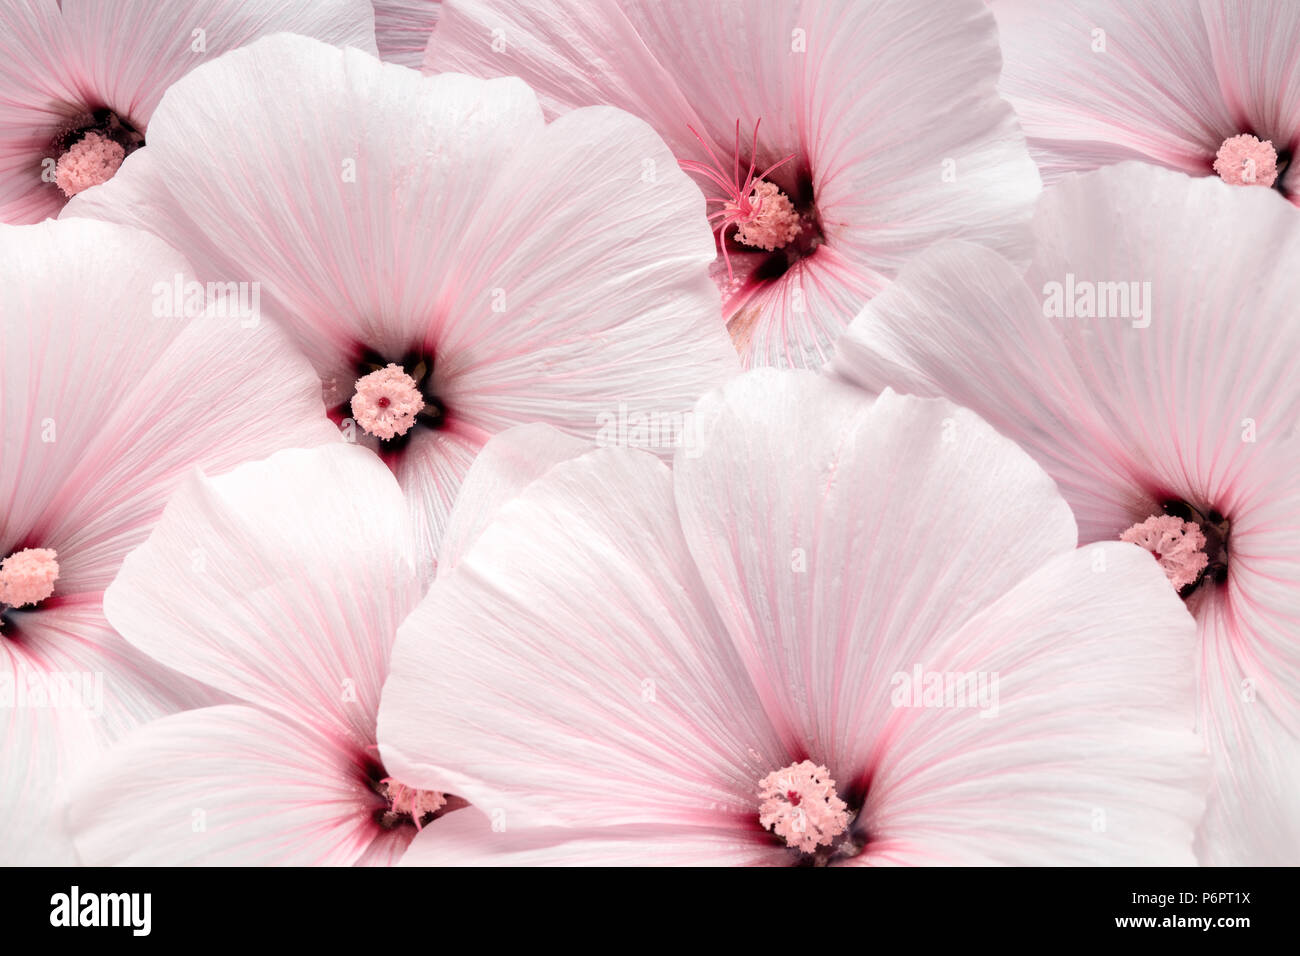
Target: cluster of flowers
789,432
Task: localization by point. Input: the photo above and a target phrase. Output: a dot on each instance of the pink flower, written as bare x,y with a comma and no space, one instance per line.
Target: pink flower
513,270
1147,360
736,661
1205,87
105,401
80,79
836,139
402,29
305,566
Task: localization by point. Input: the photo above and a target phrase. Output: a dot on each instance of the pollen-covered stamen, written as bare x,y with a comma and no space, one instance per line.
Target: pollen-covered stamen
90,149
1246,161
800,805
27,577
386,402
772,222
763,216
408,803
89,161
1178,547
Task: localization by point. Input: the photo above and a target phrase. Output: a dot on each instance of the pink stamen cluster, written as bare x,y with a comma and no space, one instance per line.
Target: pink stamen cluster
774,222
417,804
1178,546
386,402
89,161
763,216
28,576
1245,161
801,806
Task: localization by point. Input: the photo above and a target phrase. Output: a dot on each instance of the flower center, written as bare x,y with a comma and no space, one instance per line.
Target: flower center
763,216
386,402
391,398
1191,547
1246,161
407,804
800,805
27,577
93,150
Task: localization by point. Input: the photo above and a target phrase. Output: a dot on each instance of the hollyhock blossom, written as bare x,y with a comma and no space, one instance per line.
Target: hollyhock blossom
1205,86
80,79
104,403
1148,360
735,661
493,268
834,138
306,565
403,27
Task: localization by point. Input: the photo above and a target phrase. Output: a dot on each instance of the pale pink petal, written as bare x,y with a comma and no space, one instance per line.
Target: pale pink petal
68,639
1254,46
131,77
372,165
281,583
582,286
810,511
79,332
1248,721
1087,755
219,395
469,838
402,29
961,323
223,786
506,466
42,747
39,97
573,669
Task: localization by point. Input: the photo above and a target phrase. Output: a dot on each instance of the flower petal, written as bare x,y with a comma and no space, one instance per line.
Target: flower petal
223,786
282,583
812,511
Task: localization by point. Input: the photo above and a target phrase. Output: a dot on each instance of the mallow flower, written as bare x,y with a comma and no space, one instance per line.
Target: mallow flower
839,630
834,139
80,79
1148,360
451,263
280,584
107,398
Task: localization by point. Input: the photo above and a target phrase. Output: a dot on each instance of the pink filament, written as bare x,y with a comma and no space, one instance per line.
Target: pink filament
742,202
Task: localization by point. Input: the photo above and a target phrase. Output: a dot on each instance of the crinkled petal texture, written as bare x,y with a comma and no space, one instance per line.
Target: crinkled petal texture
1100,81
104,404
549,276
61,61
851,89
623,649
403,27
281,584
1174,379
